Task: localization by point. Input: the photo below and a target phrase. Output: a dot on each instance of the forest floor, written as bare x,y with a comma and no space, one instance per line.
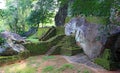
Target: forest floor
49,64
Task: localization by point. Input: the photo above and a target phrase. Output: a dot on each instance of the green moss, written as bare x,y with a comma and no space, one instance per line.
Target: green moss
106,60
43,46
14,58
49,34
39,33
92,19
57,50
60,30
69,47
32,40
103,62
96,20
70,52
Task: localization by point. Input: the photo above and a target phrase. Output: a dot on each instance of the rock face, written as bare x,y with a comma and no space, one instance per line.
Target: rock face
113,43
12,44
91,37
13,36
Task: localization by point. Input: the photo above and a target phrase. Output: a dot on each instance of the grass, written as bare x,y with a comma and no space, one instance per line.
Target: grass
65,66
27,70
44,64
33,40
48,69
53,69
38,34
86,71
48,57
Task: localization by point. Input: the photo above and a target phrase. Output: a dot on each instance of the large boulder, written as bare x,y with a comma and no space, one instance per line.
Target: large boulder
13,36
12,44
90,37
9,48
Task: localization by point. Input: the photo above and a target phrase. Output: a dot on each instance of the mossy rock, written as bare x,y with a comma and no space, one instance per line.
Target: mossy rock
69,46
14,58
57,50
60,30
106,60
70,52
42,47
49,34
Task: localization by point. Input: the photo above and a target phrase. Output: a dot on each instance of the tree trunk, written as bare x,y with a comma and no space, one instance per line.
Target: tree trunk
61,14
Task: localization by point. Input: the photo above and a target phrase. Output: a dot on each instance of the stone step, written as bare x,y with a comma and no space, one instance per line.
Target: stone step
82,59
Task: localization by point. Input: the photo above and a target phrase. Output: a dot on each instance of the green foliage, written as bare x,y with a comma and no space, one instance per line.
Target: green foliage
1,40
15,14
83,7
104,7
91,7
97,20
105,60
116,5
42,12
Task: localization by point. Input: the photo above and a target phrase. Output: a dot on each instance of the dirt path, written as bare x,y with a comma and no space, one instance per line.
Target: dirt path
49,64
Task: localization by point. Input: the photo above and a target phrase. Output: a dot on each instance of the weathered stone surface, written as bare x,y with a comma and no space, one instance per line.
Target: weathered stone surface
13,36
91,37
12,45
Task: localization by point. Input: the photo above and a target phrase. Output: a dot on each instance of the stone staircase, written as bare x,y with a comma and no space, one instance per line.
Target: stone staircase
50,51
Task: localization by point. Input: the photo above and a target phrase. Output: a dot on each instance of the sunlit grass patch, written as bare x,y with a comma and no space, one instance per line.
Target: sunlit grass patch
48,69
27,70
